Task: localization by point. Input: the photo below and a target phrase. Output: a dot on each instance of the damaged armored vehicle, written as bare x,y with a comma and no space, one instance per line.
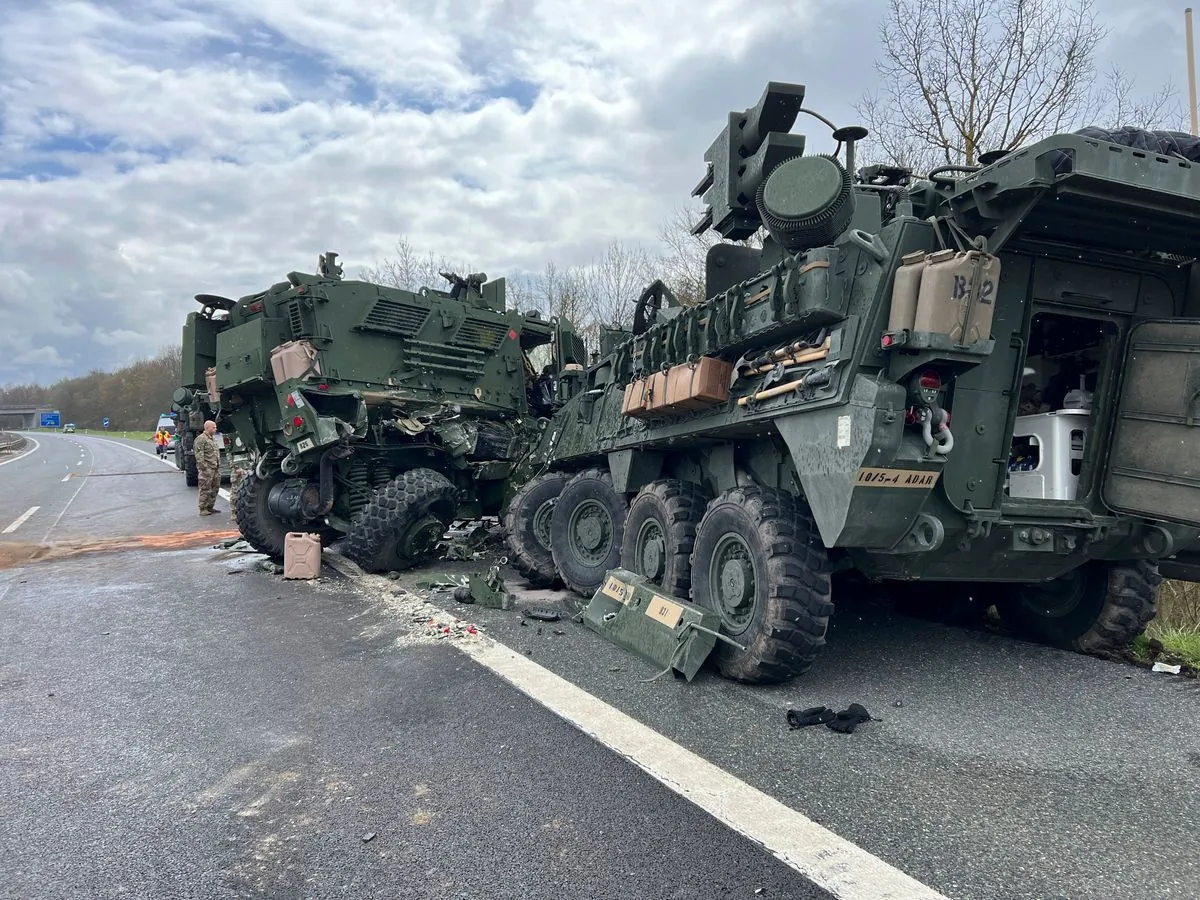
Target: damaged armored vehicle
983,381
375,413
193,408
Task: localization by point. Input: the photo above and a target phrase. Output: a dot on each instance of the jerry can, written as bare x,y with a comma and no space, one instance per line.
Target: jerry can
210,385
906,287
293,360
301,555
949,301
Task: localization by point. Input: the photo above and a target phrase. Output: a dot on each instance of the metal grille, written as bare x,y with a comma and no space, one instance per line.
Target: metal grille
396,318
480,334
444,358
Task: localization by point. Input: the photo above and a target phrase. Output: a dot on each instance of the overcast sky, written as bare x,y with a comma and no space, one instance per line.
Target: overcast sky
155,149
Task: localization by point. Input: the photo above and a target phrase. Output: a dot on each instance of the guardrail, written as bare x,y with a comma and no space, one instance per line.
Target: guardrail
11,443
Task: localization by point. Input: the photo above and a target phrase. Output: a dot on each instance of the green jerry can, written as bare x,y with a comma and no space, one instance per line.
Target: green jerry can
629,611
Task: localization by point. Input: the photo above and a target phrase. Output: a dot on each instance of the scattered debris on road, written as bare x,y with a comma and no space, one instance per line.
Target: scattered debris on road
844,722
675,634
1166,667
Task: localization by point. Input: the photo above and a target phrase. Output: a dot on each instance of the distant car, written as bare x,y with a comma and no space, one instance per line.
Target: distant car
69,428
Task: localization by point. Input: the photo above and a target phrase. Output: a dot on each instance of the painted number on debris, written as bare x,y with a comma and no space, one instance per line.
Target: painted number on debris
663,610
616,589
304,445
896,478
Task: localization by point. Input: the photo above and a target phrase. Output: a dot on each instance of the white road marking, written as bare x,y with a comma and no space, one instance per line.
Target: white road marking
35,446
82,482
20,520
831,862
221,492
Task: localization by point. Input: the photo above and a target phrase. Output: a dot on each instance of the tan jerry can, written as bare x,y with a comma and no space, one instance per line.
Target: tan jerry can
292,360
906,288
210,384
301,555
944,303
692,386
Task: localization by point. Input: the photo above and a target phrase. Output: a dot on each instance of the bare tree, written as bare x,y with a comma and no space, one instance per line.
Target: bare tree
682,265
612,283
1115,99
964,76
410,271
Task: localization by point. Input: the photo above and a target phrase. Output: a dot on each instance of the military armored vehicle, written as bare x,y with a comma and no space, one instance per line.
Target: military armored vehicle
374,413
192,407
980,382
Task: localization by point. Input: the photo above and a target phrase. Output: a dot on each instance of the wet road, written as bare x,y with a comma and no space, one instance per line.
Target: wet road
234,734
179,723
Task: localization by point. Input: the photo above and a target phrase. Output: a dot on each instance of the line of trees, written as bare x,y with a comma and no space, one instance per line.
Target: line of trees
132,397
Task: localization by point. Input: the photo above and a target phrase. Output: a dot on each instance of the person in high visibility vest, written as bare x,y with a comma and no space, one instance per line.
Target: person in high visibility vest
160,439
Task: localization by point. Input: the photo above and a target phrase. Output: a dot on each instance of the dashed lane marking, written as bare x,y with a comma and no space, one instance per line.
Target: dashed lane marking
833,863
20,520
63,511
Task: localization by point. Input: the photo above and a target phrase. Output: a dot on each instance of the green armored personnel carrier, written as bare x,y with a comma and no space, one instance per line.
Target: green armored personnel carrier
192,407
984,382
374,413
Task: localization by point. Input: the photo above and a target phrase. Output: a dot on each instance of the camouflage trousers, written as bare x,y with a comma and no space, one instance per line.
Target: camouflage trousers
235,481
209,483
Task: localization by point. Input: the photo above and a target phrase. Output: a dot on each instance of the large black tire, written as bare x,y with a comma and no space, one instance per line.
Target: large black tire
191,475
660,531
759,563
527,528
587,529
402,522
261,528
1097,608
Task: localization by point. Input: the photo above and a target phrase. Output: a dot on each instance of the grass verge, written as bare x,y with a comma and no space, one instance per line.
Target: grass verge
1173,635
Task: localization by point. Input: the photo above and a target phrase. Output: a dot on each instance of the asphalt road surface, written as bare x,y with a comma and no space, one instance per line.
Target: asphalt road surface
177,722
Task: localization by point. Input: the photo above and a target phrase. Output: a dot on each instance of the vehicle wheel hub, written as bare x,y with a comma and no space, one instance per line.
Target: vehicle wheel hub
419,538
591,529
732,573
651,551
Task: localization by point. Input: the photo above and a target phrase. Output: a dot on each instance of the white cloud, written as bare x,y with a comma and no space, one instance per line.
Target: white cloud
162,149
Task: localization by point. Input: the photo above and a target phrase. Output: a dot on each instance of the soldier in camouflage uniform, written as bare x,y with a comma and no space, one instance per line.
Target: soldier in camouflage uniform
208,468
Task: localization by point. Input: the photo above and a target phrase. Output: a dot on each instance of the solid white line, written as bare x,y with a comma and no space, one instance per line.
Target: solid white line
831,862
24,454
21,520
221,492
